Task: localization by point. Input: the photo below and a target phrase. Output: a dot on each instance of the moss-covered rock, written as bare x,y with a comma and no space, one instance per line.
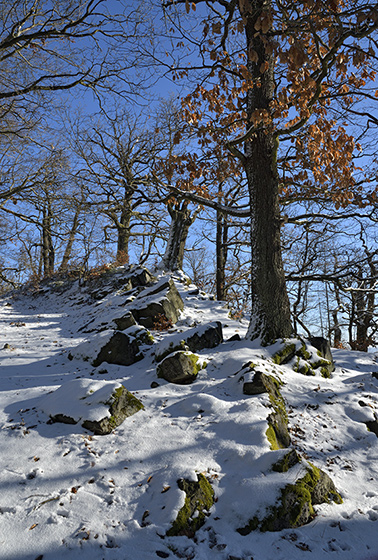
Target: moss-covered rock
198,501
303,367
277,432
284,355
261,383
122,404
287,462
180,367
295,506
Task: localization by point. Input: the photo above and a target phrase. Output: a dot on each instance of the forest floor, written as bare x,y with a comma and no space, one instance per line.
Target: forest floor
67,494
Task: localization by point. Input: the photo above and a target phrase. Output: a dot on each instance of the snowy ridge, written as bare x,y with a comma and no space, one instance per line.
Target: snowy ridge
68,494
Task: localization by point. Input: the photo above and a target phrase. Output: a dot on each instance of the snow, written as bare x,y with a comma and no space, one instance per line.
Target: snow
67,494
80,399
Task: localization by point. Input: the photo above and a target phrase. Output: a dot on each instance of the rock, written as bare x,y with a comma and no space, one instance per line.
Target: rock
140,276
287,462
234,338
196,339
261,383
372,425
121,349
99,406
295,505
122,405
277,432
198,501
284,355
180,367
125,321
148,310
326,365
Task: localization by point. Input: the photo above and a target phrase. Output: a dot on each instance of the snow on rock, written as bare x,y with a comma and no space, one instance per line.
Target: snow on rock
99,406
195,339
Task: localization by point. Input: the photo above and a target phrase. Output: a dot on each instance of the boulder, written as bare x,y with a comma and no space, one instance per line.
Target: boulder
180,367
323,347
127,320
199,498
153,307
260,383
99,406
122,349
196,339
295,504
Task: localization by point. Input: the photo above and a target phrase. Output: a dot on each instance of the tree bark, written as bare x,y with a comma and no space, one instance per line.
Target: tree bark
48,252
270,314
68,250
221,255
181,220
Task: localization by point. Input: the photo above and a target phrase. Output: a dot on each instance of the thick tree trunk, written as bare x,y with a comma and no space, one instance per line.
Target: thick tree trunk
181,220
270,316
123,231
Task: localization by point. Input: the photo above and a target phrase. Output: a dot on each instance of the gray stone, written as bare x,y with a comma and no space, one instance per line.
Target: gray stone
259,384
158,306
99,406
121,349
324,350
180,368
295,505
122,405
125,321
196,339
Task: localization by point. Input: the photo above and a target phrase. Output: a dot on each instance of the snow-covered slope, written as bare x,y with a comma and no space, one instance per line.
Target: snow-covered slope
67,494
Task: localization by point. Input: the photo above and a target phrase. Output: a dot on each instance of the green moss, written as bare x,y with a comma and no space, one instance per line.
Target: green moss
303,352
325,373
295,506
277,432
272,438
288,460
197,366
303,367
252,525
198,501
284,355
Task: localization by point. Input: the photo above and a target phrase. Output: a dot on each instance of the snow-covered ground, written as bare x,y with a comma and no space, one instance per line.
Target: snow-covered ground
67,494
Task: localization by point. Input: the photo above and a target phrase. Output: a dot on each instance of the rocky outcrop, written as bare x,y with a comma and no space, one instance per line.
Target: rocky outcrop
295,506
164,303
180,367
198,501
125,321
196,339
122,405
306,356
99,406
121,349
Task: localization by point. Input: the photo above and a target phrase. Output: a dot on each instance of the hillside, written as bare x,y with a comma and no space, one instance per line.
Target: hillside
67,493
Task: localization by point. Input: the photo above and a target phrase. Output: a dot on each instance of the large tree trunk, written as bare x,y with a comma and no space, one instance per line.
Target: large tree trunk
270,316
181,220
123,230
